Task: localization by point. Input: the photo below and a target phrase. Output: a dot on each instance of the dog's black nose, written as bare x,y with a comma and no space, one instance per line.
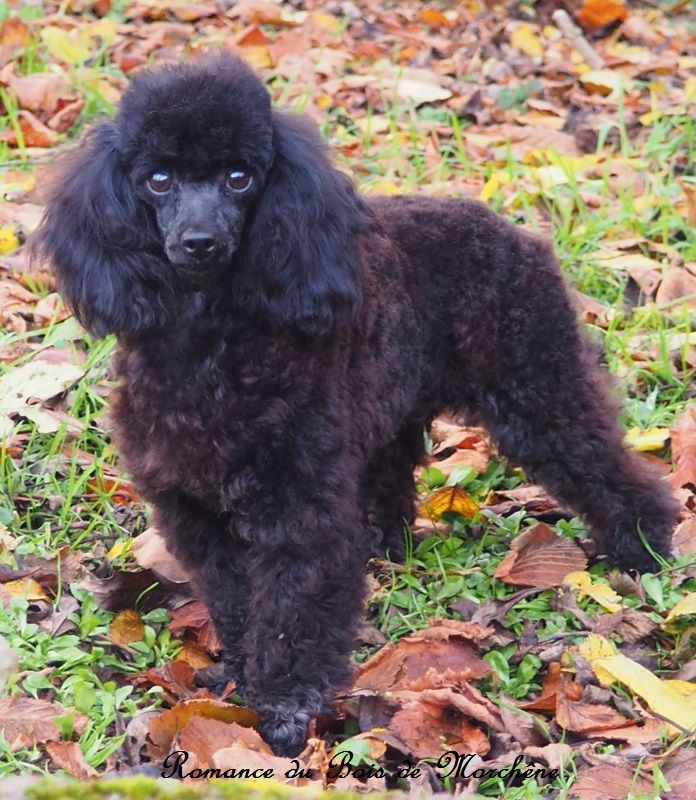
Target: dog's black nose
199,244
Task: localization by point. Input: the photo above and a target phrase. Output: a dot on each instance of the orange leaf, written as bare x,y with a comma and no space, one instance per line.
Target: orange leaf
126,627
595,14
438,656
167,725
541,558
69,756
449,498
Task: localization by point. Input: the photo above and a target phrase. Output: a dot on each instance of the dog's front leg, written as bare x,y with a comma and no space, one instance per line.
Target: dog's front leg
306,592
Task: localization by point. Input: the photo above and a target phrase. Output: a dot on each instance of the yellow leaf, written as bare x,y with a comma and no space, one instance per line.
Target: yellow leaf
119,549
690,88
126,627
327,21
645,441
668,698
61,45
27,588
383,187
599,592
8,239
526,39
493,184
596,646
604,81
686,606
258,56
450,498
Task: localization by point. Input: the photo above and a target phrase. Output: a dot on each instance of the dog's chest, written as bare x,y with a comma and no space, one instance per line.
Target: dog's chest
200,415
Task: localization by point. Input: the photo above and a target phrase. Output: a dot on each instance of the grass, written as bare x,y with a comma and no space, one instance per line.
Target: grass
54,487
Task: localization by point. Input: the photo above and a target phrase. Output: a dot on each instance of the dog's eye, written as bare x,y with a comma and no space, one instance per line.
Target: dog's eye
238,180
160,182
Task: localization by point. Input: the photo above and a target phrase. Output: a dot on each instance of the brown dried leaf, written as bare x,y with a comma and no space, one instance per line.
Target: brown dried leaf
175,677
40,91
684,449
677,283
546,701
685,537
126,627
629,624
195,655
429,659
151,552
204,737
169,724
541,558
438,719
25,721
194,616
34,132
69,756
238,757
612,782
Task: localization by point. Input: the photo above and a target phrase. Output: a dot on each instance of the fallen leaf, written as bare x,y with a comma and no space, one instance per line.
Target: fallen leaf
612,782
151,552
684,538
449,499
25,721
126,627
541,558
683,448
25,388
194,616
685,607
431,658
667,698
628,623
8,239
648,440
9,663
167,725
599,592
240,757
526,39
69,757
677,283
14,32
39,92
175,677
203,737
546,701
596,14
605,82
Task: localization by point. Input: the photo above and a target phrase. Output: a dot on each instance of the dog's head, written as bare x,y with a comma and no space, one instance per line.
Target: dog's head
197,184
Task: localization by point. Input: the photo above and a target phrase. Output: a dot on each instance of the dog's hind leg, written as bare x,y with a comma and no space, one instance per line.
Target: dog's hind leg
550,409
389,492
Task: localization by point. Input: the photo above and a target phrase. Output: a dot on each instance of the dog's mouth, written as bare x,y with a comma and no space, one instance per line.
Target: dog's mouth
198,271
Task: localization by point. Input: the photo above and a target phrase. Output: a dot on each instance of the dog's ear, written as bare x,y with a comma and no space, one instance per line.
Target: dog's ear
100,240
299,249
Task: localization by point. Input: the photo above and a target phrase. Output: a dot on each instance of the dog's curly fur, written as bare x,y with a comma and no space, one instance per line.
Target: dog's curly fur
273,414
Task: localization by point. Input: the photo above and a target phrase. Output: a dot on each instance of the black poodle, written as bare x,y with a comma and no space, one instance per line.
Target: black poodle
284,342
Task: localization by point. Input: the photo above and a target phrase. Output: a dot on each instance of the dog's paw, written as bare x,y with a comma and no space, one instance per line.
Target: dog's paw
284,727
628,552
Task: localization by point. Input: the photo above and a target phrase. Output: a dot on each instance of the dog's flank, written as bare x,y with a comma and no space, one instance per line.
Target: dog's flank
283,344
